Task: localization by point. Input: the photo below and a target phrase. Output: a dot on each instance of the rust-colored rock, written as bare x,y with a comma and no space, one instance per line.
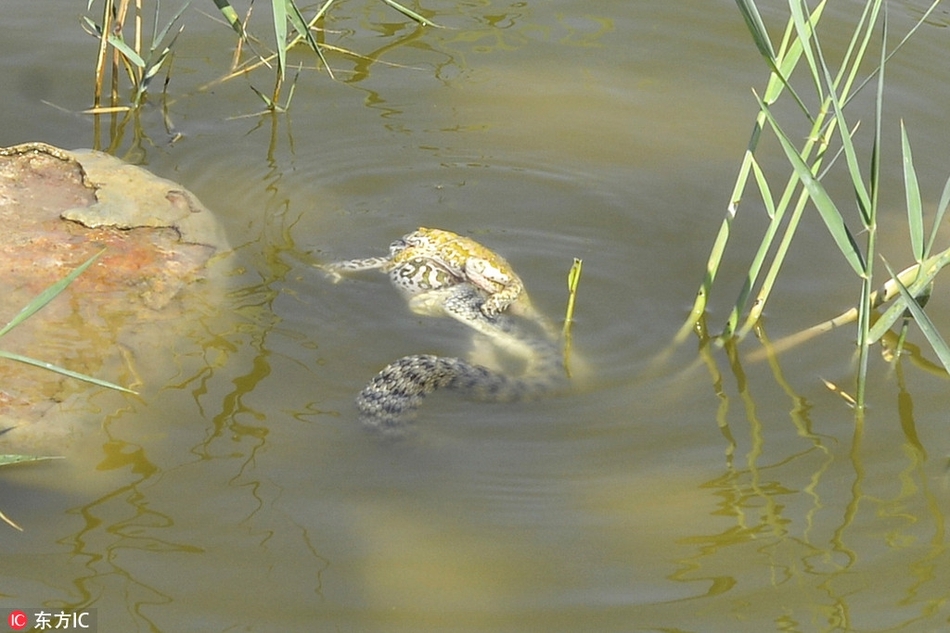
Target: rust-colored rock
57,209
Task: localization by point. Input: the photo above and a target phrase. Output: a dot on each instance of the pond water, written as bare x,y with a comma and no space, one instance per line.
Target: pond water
703,493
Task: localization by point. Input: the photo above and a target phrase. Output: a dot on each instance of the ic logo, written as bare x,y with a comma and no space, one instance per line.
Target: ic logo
18,620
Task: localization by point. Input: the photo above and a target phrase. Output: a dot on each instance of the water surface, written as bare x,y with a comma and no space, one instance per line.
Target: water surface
239,492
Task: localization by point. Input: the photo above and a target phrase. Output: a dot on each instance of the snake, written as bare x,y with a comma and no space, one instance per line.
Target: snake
391,399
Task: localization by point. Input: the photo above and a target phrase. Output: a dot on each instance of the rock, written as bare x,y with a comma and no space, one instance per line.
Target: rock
57,209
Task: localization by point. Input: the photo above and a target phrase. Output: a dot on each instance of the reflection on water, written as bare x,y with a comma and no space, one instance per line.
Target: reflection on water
820,514
714,493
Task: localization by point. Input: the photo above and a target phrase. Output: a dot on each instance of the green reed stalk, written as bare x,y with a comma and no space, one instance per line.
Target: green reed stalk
821,135
285,11
573,281
829,128
140,65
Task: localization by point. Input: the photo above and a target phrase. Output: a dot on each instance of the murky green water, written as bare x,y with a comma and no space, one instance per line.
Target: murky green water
239,493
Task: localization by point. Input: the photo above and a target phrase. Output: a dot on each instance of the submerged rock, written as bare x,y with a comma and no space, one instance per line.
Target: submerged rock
57,209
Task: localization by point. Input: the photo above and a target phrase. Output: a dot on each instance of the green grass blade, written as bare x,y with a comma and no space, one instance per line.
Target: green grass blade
92,25
321,12
126,51
790,56
750,13
765,246
804,32
764,191
916,279
157,37
300,25
915,213
279,8
878,120
48,295
573,280
267,100
924,323
230,15
6,460
118,43
938,218
820,198
406,11
923,18
781,73
851,156
61,370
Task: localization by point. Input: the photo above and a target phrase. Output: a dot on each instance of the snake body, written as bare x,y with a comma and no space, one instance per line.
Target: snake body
435,287
394,394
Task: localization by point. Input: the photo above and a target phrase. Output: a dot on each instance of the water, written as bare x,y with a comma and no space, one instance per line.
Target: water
238,493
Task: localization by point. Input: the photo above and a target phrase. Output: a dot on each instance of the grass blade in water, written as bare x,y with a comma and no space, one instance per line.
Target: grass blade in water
923,321
62,370
48,295
915,213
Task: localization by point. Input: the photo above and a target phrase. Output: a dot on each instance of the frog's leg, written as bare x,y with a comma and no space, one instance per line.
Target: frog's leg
334,270
499,281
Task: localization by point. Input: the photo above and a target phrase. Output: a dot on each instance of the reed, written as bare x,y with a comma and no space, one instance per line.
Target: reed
140,58
573,281
124,47
832,137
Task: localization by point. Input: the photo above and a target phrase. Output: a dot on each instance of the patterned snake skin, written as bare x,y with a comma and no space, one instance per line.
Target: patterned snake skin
434,288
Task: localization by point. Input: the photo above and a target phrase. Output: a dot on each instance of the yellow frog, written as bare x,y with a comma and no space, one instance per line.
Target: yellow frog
428,259
464,258
445,274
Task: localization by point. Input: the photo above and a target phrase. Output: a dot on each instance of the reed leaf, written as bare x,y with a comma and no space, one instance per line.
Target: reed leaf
63,371
923,322
916,279
300,25
48,295
788,57
159,36
938,217
279,8
750,13
573,281
764,191
231,16
803,30
35,306
915,212
409,13
822,201
6,460
847,143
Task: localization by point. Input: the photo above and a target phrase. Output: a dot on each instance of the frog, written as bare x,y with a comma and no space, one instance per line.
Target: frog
465,259
429,258
441,273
